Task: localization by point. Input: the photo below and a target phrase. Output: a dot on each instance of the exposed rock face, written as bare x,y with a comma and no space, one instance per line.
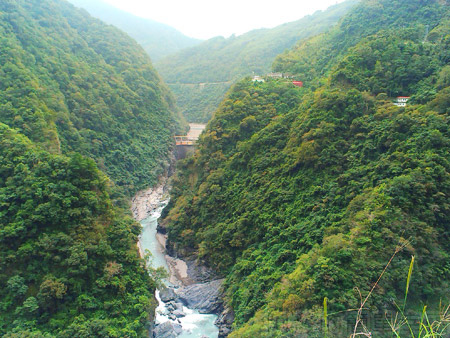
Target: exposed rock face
203,297
199,273
224,322
167,330
146,201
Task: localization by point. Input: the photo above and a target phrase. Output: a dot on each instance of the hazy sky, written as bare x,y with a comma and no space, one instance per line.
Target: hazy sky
204,19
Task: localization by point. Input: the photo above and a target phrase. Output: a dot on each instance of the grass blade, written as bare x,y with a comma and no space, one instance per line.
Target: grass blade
408,281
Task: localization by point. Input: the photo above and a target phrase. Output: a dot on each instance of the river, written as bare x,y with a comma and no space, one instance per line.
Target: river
190,323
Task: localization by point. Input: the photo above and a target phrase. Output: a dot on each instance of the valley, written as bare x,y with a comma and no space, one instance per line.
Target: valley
286,182
172,314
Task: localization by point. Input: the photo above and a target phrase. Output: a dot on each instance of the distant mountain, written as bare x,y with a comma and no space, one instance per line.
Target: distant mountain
200,76
158,40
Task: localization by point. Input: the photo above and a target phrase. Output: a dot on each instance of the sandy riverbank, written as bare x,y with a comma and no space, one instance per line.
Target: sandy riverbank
143,204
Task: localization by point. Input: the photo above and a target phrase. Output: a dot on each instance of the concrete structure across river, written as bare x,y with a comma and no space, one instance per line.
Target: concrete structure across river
186,143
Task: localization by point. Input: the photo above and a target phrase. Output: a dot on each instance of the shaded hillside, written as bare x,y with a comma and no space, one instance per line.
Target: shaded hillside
76,95
69,265
297,194
72,83
157,39
201,75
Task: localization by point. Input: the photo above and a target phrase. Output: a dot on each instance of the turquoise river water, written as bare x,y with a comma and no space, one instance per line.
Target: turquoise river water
194,324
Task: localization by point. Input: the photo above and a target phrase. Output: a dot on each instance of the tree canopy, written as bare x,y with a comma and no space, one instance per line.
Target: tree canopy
69,265
297,194
79,100
75,84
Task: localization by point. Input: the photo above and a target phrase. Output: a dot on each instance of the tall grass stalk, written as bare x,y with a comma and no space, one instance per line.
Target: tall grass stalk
427,329
408,281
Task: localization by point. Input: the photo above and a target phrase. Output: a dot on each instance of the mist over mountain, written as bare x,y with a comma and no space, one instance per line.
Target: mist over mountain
201,75
158,40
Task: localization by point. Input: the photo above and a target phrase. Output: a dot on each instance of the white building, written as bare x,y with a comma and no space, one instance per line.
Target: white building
275,75
257,78
401,101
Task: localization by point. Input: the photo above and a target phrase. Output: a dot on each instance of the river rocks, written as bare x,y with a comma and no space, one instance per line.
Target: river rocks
167,295
203,297
167,330
224,322
178,313
147,201
200,285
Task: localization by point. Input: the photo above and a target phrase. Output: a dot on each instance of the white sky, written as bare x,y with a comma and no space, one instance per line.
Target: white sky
205,19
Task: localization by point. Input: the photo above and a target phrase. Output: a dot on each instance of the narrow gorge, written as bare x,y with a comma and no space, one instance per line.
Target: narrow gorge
189,299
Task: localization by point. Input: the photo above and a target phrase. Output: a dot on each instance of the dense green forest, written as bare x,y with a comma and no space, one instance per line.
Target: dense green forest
71,83
157,39
69,265
79,100
201,75
301,194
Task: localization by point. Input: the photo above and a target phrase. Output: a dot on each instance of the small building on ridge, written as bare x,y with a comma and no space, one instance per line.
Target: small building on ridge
401,101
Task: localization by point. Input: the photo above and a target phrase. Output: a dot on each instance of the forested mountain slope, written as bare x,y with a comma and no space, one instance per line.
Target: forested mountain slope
157,39
69,265
76,95
297,194
313,58
200,76
72,83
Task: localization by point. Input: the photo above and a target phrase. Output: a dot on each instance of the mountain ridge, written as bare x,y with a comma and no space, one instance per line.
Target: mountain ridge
227,60
79,91
157,39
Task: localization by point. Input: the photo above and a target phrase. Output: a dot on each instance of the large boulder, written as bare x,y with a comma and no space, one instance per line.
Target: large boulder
167,330
178,313
167,295
203,297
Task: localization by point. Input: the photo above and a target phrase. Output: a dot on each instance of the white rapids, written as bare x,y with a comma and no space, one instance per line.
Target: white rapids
194,324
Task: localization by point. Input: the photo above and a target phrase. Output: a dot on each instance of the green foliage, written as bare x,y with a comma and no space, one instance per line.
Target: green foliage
69,265
297,195
76,95
201,75
74,84
312,59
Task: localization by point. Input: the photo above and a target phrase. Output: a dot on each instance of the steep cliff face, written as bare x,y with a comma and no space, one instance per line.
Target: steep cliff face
76,95
297,194
72,83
